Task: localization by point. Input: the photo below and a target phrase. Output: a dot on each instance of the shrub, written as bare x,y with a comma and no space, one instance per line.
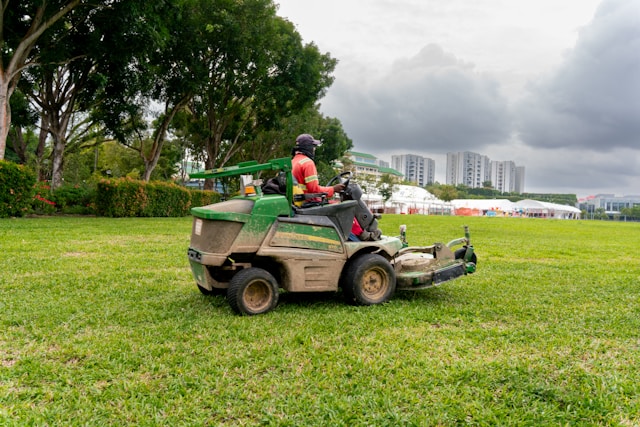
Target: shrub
75,199
120,198
42,203
203,197
126,197
167,199
16,189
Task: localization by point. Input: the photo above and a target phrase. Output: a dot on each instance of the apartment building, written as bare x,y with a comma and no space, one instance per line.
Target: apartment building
467,168
519,188
416,169
503,176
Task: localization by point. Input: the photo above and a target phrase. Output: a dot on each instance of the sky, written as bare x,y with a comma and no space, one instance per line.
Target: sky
553,85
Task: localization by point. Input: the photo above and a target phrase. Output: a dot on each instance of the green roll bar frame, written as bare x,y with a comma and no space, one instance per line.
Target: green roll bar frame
248,168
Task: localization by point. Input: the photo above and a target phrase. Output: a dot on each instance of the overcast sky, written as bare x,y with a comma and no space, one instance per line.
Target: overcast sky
553,85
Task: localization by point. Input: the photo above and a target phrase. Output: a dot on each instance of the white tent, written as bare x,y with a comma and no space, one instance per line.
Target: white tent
535,208
504,207
407,199
480,207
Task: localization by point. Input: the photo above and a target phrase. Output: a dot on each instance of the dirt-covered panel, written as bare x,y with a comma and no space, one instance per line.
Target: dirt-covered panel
306,236
213,236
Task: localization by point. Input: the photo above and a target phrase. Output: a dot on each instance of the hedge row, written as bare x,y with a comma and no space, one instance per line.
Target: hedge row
16,189
131,198
203,197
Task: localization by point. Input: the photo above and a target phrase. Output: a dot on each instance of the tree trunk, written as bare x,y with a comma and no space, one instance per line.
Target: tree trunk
149,166
57,166
42,143
19,145
151,162
208,164
10,75
5,113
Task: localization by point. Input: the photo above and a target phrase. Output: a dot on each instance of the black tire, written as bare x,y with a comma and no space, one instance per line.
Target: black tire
459,254
252,291
368,279
214,291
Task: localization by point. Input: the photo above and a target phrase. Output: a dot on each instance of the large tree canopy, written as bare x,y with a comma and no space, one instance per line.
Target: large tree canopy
252,69
234,70
237,69
22,24
82,68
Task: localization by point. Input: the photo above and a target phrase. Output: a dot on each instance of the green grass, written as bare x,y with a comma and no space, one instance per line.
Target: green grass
102,324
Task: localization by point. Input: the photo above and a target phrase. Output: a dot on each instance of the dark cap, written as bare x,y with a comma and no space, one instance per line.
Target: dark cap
305,138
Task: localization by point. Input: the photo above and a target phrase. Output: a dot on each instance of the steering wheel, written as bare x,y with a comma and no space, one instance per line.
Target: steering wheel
340,177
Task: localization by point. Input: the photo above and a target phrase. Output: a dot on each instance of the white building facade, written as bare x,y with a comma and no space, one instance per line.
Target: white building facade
417,169
503,176
467,168
473,170
519,188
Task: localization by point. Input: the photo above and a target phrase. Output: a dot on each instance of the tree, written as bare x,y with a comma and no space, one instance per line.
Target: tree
386,186
279,139
448,193
601,213
252,70
82,59
23,23
444,192
633,212
164,74
56,100
23,119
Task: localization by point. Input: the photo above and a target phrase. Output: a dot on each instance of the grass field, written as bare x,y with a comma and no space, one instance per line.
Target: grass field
102,324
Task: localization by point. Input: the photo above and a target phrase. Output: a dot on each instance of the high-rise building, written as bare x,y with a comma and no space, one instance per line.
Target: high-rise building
417,169
503,176
519,188
467,168
473,170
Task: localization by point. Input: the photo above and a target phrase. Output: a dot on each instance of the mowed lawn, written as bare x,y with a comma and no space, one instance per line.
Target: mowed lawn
102,324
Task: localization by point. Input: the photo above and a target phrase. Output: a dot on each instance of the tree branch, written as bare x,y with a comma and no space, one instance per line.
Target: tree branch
35,31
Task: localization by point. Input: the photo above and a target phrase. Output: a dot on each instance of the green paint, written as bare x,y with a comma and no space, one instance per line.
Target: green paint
198,272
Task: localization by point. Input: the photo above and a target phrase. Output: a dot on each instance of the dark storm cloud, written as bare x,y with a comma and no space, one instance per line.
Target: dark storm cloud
592,101
432,102
575,129
582,171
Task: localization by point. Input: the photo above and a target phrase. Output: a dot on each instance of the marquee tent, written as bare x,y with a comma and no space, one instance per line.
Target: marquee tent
407,199
504,207
535,208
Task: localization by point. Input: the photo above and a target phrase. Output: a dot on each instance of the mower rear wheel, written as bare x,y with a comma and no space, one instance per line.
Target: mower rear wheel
252,291
368,279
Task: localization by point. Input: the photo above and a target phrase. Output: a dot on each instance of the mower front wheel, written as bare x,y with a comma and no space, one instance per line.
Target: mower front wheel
460,253
368,279
252,291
